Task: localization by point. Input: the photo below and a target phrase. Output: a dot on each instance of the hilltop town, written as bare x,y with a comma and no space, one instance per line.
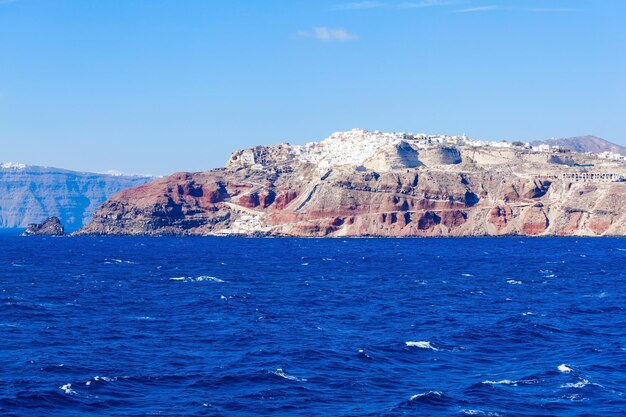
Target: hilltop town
362,183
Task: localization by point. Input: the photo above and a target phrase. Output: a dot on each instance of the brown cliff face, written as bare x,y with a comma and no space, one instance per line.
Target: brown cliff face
447,197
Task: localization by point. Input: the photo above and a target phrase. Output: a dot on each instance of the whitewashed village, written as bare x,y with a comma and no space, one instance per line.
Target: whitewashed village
383,150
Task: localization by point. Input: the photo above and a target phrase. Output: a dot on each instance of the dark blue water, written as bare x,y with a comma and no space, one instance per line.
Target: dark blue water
369,327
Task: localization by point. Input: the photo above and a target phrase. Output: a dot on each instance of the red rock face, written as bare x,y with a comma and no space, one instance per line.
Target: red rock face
283,199
599,224
570,223
453,219
534,221
428,220
250,200
500,216
348,202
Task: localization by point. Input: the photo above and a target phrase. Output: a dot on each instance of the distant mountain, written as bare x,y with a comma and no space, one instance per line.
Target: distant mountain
31,194
584,144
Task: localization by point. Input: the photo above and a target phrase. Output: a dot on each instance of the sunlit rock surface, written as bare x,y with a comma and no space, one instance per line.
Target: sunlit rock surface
361,183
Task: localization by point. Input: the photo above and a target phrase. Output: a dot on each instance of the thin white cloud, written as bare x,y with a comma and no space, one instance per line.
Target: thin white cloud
359,5
477,9
553,10
325,34
423,3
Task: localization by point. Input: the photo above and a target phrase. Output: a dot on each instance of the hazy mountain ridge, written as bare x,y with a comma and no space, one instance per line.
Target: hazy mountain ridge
30,194
582,144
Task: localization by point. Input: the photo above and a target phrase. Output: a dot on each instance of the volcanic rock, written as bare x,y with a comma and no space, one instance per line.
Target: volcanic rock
362,183
50,227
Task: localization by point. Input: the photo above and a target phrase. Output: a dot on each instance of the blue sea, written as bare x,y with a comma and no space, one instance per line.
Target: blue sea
312,327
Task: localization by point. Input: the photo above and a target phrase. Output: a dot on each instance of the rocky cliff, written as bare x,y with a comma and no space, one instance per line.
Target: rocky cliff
29,194
363,183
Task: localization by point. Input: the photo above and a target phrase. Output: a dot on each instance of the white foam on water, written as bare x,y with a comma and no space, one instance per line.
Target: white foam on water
423,394
564,368
67,388
118,261
467,275
197,279
363,354
104,378
208,278
421,345
514,282
285,375
512,383
98,378
580,384
480,413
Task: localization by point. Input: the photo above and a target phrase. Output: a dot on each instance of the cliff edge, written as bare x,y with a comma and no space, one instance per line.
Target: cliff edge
362,183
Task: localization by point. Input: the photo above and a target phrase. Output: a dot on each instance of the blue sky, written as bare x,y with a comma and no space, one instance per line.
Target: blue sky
158,86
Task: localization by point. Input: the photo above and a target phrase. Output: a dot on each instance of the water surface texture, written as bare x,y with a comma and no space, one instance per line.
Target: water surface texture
357,327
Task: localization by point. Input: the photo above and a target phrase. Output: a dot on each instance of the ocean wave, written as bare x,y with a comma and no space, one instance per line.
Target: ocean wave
118,261
67,388
564,368
514,282
513,383
429,394
197,279
363,354
432,398
473,412
581,383
421,345
100,379
281,373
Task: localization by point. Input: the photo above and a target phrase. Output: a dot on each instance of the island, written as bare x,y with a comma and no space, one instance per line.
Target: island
372,183
50,227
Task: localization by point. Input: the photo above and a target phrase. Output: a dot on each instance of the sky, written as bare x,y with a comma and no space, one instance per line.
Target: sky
160,86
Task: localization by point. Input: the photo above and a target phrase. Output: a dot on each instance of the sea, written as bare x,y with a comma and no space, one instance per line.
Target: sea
112,326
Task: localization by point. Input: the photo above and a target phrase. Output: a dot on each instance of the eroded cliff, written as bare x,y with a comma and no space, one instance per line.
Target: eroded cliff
368,185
